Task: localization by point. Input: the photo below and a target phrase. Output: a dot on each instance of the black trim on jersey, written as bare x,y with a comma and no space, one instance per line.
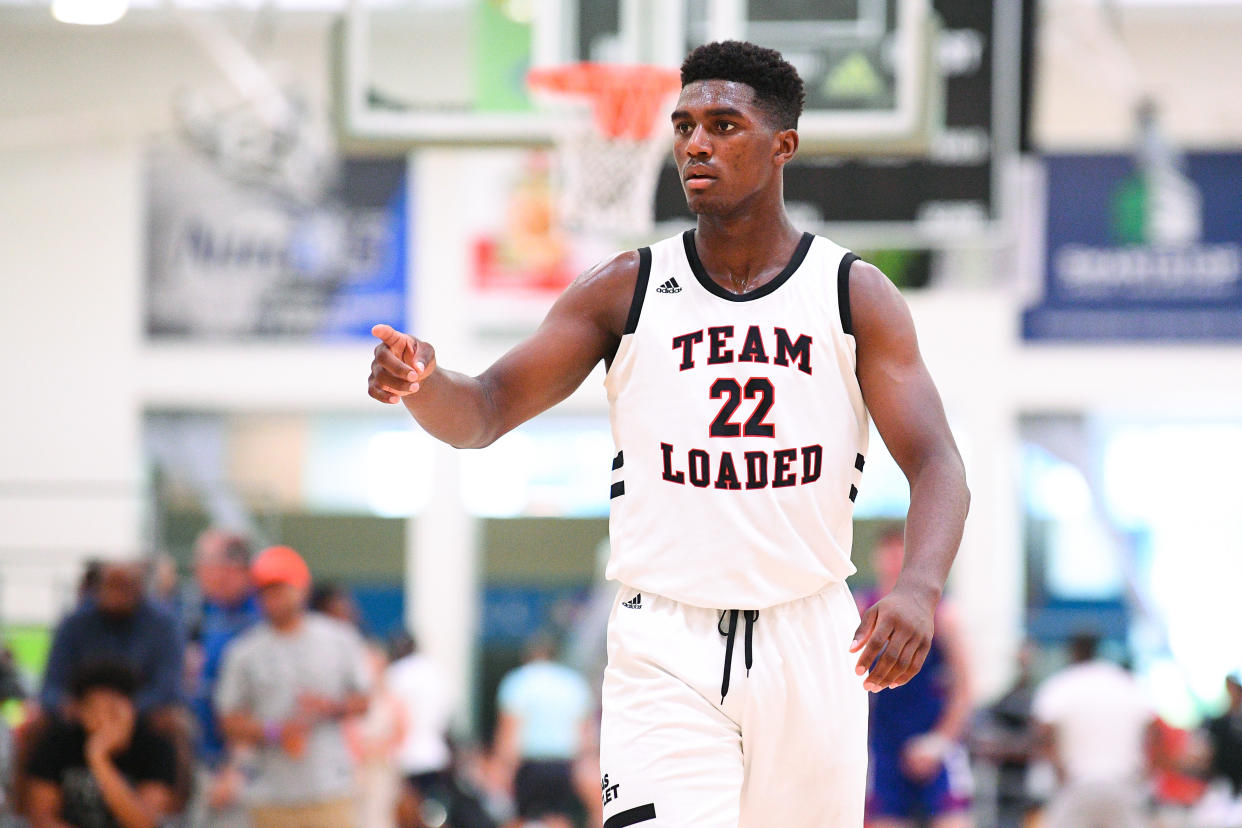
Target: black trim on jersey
859,462
643,813
843,292
700,273
619,460
853,492
618,489
640,290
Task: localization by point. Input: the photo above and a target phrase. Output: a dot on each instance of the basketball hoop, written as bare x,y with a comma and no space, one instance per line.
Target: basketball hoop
609,163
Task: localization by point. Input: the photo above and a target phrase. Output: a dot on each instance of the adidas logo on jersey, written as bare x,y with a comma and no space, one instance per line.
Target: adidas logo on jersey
637,601
670,286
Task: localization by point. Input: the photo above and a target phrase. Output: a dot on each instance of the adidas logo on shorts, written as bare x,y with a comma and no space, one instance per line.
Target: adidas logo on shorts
637,601
670,286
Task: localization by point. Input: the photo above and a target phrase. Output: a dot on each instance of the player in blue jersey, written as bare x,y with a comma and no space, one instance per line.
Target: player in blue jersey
919,772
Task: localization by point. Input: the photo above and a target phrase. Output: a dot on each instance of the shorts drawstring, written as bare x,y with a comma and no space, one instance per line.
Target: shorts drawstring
750,616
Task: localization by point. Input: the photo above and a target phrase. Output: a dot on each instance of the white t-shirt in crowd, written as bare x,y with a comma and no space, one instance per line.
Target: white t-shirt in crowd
1100,716
421,686
265,672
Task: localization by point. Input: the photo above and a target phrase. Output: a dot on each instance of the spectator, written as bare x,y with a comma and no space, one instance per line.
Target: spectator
287,684
11,689
1174,757
374,739
1006,738
229,607
335,601
1094,724
424,756
1225,737
104,767
165,583
544,712
919,768
118,620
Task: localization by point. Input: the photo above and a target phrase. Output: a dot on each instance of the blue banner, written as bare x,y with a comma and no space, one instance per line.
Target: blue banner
1146,249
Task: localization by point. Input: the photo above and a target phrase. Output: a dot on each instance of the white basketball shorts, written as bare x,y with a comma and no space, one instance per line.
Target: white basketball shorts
787,746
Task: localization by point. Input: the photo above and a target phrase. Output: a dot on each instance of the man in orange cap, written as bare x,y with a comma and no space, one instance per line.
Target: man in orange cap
287,685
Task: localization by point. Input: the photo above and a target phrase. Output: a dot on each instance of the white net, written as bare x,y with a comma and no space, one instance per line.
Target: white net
607,185
609,154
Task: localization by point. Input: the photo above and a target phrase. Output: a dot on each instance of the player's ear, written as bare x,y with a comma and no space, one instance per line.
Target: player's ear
785,146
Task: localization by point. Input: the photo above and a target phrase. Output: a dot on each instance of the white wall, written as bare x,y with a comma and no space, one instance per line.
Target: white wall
69,428
1096,60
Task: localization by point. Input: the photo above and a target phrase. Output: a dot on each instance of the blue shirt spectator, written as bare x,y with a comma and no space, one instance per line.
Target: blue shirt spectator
552,703
220,625
118,620
229,608
544,708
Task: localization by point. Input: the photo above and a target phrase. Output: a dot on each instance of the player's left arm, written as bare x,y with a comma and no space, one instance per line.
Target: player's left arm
896,632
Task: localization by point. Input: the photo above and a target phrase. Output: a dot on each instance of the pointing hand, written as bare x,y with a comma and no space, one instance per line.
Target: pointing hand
401,364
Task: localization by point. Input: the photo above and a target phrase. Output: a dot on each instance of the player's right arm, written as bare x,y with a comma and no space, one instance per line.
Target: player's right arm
583,327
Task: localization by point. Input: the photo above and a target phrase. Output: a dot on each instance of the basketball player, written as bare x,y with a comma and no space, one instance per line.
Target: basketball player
920,773
743,358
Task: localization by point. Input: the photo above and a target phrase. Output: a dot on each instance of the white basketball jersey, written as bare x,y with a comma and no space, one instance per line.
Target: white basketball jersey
740,431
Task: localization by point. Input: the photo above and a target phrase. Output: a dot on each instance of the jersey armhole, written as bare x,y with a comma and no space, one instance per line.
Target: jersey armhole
843,292
640,290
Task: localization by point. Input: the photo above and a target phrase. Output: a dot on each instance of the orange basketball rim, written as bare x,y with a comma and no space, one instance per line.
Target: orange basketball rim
625,98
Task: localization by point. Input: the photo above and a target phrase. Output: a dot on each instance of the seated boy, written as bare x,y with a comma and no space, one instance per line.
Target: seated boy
103,767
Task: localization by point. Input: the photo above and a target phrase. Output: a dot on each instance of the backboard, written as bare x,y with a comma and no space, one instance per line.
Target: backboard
452,72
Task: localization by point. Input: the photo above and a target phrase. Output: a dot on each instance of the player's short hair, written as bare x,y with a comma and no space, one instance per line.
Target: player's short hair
778,87
104,673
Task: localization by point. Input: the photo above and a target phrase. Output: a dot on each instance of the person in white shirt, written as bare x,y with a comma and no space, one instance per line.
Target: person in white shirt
424,756
1094,723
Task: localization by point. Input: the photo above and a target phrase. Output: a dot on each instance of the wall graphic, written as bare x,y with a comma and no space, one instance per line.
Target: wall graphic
231,258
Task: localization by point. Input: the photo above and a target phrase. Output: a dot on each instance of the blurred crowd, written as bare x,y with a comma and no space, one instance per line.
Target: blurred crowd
251,697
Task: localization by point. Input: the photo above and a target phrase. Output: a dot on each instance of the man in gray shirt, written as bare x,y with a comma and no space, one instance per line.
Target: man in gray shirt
286,686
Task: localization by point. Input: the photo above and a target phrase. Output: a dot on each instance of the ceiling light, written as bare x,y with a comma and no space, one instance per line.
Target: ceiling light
89,12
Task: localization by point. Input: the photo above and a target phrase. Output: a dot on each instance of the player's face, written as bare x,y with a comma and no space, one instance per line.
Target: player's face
726,149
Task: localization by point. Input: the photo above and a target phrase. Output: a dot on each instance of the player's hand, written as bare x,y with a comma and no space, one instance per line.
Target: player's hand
401,364
894,636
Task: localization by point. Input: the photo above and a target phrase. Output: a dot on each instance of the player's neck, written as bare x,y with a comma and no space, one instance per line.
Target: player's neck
743,252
